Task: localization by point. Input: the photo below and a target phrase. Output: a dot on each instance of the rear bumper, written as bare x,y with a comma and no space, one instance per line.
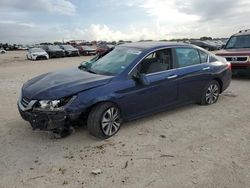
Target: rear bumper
226,79
48,120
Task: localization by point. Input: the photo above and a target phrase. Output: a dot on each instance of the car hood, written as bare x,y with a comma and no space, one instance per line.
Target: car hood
38,53
59,84
234,52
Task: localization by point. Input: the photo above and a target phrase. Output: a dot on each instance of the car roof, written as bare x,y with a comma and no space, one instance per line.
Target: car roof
243,32
149,45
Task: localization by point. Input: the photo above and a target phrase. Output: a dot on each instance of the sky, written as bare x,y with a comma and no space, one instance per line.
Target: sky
34,21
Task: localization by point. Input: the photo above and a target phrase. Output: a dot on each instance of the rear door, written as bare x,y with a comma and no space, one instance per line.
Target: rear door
194,72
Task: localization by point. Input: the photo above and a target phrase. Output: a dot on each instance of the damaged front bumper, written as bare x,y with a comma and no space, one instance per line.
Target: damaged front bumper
47,120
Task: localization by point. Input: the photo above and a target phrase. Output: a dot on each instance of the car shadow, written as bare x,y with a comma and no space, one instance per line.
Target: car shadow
160,115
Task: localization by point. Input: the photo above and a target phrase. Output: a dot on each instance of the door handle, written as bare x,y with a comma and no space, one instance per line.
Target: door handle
206,68
173,76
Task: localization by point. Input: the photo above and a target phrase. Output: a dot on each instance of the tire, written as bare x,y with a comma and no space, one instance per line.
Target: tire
211,93
104,120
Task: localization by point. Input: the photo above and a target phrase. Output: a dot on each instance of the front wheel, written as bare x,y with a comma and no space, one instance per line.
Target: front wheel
104,120
211,93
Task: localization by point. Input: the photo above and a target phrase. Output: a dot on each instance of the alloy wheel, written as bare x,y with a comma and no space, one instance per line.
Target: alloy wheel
111,121
212,94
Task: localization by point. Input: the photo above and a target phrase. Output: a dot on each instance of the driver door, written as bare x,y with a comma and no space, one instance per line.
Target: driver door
161,90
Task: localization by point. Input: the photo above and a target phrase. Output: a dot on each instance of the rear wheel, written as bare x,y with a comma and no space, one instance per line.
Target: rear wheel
211,93
104,120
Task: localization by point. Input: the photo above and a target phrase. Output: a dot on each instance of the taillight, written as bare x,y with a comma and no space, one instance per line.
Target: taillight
229,65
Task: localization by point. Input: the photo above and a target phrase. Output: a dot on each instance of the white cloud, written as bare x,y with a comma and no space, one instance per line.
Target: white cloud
61,6
11,22
165,11
163,20
64,7
103,32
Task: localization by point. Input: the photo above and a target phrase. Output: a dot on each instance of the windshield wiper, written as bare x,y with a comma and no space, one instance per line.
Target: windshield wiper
90,71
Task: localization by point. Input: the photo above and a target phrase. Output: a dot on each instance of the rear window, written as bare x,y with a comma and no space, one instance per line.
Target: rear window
203,56
212,59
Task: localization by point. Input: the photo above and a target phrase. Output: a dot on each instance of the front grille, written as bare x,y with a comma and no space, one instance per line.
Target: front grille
241,59
25,102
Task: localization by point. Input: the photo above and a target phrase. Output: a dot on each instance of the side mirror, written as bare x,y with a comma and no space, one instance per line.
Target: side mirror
142,78
84,64
223,46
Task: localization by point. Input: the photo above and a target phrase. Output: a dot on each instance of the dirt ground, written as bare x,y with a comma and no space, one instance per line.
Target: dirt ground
192,146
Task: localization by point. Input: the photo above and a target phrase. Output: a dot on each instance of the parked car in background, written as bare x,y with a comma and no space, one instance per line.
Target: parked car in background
37,54
54,51
86,50
131,81
2,51
70,50
21,47
103,48
207,45
237,51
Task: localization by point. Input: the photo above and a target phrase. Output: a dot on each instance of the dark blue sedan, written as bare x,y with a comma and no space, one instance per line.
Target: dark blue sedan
131,81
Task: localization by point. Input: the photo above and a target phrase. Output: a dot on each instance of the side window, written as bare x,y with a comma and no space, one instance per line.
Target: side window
156,62
203,56
187,57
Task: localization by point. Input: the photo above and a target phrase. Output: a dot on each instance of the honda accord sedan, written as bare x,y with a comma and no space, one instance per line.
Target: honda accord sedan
131,81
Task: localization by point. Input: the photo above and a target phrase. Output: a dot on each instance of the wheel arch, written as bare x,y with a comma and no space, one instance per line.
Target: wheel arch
220,82
86,113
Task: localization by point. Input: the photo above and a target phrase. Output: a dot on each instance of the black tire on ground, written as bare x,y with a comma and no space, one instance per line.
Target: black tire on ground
96,115
211,93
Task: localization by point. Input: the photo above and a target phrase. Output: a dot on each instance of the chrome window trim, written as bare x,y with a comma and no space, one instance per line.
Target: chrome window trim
155,73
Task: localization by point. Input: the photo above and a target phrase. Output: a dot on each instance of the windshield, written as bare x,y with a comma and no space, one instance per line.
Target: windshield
115,61
68,47
54,48
242,41
37,50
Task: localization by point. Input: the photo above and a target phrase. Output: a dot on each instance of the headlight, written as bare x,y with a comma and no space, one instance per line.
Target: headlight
48,104
54,104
